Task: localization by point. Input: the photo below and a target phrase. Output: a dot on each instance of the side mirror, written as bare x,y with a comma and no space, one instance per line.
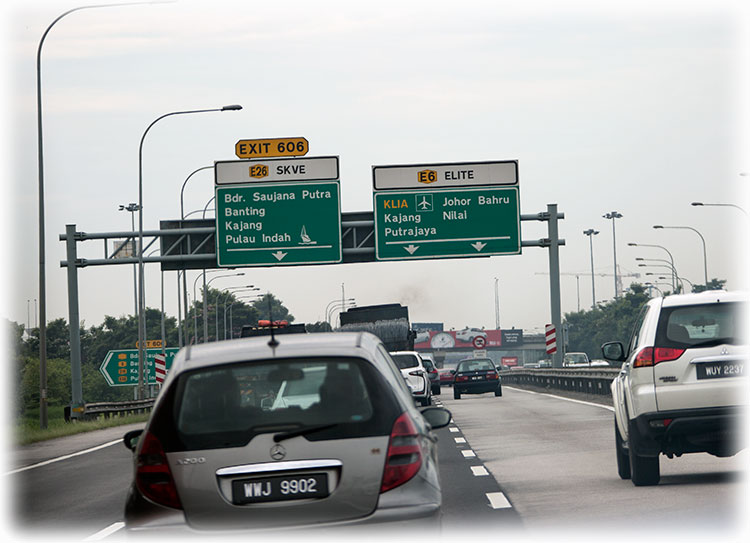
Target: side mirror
130,440
613,351
437,417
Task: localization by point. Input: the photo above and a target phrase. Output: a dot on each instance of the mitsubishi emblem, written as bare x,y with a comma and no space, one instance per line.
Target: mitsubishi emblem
278,452
724,350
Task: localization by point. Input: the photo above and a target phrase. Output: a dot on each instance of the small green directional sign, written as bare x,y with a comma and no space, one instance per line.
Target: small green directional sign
277,224
120,368
446,223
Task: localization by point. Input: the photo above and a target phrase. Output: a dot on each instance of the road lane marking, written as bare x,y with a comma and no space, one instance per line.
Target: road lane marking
468,453
61,458
454,429
479,471
460,439
607,407
498,500
106,532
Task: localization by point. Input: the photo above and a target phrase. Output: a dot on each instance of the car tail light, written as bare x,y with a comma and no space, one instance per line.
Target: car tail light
416,373
153,477
649,356
462,377
492,375
404,458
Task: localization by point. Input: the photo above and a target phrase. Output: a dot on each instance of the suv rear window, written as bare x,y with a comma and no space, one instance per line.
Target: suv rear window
703,325
404,361
228,405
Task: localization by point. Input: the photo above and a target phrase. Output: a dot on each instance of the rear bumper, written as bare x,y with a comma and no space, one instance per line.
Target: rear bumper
716,430
476,387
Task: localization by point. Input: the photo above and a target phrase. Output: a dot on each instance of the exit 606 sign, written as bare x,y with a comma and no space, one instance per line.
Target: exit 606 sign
271,147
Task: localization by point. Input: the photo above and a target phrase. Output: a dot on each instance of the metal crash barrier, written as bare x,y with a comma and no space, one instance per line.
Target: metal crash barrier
585,381
109,409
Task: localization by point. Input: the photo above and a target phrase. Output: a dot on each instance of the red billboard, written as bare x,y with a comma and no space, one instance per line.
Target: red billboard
468,338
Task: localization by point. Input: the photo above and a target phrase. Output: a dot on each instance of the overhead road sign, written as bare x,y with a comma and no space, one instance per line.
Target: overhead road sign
451,210
276,170
120,367
260,148
274,224
461,174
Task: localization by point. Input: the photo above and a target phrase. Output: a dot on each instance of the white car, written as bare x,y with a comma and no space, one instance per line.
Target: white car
467,335
683,383
415,374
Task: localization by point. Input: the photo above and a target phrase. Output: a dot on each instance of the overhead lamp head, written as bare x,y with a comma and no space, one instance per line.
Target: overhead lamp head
657,226
233,107
696,203
632,245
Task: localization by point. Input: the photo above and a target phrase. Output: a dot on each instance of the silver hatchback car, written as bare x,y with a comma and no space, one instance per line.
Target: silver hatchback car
304,430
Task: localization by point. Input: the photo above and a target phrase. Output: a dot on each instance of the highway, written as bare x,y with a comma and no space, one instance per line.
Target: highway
523,463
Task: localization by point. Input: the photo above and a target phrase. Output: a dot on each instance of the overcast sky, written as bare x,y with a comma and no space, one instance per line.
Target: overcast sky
640,108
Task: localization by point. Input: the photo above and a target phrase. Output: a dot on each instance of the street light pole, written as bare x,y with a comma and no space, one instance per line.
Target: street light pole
43,419
703,240
671,259
591,233
722,205
141,294
614,215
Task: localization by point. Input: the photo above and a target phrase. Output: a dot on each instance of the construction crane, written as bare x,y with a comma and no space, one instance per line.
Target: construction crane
578,276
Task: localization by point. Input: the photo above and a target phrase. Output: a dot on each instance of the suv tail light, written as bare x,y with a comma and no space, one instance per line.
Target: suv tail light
152,475
404,456
650,356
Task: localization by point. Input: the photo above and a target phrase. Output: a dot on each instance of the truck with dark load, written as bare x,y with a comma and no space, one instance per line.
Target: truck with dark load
390,322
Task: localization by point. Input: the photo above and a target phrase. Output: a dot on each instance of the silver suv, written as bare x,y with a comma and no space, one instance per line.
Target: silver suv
683,382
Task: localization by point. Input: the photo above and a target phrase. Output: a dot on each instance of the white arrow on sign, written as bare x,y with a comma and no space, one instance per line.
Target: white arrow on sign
411,248
478,245
279,255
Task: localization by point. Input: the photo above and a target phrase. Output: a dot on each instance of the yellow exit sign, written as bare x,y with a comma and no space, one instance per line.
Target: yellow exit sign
271,147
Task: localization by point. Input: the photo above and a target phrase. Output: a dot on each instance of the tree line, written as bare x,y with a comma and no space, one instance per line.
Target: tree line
121,332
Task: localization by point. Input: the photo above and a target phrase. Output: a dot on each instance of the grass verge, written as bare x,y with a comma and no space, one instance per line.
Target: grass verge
27,429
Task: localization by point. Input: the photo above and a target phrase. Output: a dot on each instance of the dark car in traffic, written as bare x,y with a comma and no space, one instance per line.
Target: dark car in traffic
476,376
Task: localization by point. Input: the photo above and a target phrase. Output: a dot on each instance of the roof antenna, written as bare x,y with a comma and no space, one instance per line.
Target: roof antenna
272,343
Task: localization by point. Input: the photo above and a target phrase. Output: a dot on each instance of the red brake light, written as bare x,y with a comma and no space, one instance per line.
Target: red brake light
653,355
462,377
404,458
492,375
153,477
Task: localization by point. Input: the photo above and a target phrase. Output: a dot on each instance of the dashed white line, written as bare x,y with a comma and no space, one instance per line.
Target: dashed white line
498,500
468,453
106,532
460,439
479,471
453,429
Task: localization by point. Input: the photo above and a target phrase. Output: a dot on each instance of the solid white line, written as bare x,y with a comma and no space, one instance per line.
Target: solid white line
60,458
106,532
498,500
607,407
459,440
479,471
468,453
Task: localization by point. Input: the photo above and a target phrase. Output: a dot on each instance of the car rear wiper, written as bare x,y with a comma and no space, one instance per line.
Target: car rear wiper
302,432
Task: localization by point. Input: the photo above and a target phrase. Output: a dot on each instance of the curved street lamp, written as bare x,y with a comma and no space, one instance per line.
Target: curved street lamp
703,240
671,259
721,205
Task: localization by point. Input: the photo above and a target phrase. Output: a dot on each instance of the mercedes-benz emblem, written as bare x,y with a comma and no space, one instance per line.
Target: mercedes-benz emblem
278,452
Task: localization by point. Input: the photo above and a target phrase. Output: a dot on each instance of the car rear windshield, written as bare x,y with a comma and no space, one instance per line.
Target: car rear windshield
228,405
703,325
475,365
404,361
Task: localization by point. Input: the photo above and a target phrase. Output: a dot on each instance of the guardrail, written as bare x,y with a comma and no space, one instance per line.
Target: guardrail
108,409
586,381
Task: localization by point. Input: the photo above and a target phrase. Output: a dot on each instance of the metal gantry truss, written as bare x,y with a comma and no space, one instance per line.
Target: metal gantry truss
191,245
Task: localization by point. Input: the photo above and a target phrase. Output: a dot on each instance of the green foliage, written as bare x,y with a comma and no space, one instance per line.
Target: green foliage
713,284
613,321
320,326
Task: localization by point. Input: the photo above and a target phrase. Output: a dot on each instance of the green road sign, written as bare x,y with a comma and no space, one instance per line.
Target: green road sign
120,368
446,223
276,224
